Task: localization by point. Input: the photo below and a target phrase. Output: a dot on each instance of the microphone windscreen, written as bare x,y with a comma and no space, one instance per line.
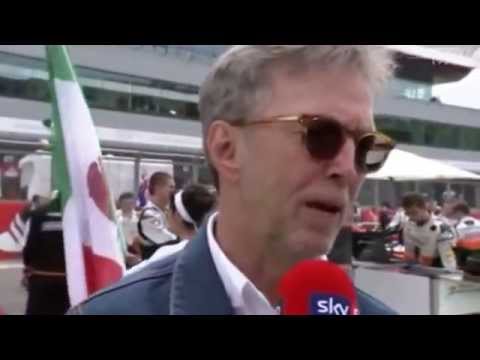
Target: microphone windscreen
317,287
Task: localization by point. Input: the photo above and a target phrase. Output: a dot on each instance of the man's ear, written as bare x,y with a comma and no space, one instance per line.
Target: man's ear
222,149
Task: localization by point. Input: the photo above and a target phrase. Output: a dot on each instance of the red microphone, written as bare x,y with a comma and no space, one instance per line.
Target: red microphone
317,287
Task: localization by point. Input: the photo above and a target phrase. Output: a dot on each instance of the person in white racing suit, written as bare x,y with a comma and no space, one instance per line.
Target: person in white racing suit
468,232
153,224
428,239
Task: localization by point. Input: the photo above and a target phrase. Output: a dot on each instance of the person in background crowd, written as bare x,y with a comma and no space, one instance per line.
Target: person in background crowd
465,224
357,212
9,178
437,209
450,199
427,239
128,219
341,252
152,224
290,137
399,220
368,216
142,192
44,260
433,207
188,210
468,232
386,215
429,202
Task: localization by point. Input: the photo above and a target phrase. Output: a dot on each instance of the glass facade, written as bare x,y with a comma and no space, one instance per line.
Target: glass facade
205,175
205,54
430,134
27,78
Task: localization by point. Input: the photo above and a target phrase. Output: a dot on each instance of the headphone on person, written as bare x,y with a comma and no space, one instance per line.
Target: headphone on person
192,204
181,210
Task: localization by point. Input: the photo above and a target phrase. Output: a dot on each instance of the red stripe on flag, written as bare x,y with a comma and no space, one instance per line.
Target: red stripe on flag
100,271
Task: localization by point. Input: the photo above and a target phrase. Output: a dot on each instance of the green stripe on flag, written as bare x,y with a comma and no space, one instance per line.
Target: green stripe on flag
59,62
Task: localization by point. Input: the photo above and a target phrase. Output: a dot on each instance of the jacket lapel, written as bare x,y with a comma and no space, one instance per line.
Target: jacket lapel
198,290
196,286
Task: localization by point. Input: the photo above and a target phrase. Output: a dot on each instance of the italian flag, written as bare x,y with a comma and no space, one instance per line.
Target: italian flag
93,245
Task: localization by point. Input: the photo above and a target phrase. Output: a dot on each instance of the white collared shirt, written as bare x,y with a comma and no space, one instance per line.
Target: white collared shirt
245,298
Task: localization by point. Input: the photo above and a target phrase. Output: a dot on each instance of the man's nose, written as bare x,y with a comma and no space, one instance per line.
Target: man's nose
343,165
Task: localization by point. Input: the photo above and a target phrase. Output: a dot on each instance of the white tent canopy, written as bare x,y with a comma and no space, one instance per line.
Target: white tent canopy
404,166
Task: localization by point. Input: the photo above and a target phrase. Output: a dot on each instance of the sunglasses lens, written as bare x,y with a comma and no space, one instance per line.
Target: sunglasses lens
324,139
372,152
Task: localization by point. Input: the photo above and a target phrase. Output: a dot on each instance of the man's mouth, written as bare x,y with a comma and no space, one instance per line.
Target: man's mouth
324,206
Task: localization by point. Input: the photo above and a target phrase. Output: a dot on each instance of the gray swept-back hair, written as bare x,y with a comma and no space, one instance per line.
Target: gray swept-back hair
239,81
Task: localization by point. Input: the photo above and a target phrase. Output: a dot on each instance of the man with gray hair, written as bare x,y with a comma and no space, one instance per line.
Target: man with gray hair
288,131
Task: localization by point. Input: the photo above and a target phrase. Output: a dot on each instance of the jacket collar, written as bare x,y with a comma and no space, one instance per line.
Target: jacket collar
198,290
196,286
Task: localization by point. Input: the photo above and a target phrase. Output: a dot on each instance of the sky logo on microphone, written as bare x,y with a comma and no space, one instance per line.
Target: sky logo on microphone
327,304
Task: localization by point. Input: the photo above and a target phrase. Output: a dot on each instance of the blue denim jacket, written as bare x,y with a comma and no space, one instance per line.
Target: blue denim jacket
186,283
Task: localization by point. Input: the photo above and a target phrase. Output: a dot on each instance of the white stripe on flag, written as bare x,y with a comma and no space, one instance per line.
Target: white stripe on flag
76,277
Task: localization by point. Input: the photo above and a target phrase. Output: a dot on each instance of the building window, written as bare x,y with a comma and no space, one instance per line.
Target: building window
205,175
432,134
26,78
410,89
183,175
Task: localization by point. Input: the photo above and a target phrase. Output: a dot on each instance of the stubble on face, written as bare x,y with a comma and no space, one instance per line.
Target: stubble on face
279,176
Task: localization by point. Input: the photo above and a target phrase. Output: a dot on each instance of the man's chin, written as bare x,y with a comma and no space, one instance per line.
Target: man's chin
312,244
